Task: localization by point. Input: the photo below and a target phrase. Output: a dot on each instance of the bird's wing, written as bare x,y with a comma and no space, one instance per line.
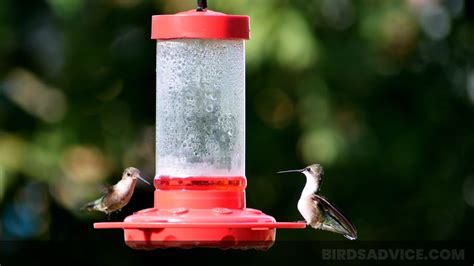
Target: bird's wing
107,189
334,220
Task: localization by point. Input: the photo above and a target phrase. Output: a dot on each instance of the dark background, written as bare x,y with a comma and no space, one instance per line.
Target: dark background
381,93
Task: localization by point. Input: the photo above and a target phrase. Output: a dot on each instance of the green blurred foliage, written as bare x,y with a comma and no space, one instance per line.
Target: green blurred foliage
379,92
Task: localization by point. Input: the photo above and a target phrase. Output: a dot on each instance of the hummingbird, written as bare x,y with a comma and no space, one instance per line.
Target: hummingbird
117,196
317,211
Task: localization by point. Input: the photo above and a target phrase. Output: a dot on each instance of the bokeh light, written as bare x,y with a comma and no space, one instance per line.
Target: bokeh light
27,216
435,21
32,95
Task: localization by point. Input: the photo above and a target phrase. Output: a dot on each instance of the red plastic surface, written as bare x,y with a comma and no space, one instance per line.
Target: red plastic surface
204,24
158,225
166,182
204,199
200,192
199,212
181,227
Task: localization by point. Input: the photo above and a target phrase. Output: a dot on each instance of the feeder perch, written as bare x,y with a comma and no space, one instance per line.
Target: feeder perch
200,180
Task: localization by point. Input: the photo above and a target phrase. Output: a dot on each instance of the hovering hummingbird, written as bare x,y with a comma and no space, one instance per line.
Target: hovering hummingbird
117,196
317,211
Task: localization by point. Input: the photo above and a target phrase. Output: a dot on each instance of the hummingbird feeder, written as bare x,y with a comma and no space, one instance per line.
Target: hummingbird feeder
200,180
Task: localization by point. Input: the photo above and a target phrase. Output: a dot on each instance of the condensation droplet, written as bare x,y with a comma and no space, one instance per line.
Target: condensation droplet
209,108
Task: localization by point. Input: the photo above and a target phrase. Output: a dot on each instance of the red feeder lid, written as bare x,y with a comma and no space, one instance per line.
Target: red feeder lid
205,24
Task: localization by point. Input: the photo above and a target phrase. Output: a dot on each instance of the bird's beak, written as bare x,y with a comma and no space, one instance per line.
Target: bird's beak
143,180
292,171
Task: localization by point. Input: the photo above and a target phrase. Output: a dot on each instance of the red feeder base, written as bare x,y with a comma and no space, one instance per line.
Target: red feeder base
211,218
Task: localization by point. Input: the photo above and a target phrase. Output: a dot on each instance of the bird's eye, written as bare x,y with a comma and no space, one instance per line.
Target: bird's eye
308,169
128,174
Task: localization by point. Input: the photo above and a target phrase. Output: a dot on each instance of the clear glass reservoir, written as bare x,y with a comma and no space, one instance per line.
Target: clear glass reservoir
200,114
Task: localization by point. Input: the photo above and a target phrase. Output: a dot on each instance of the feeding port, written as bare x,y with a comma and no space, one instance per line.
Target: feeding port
200,179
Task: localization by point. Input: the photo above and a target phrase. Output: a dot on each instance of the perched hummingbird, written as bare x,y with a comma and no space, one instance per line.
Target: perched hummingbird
117,196
317,210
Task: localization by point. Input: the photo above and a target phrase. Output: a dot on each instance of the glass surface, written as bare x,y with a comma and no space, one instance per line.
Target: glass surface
200,110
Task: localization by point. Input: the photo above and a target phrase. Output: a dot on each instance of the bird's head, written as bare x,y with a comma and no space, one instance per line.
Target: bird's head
133,173
313,171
